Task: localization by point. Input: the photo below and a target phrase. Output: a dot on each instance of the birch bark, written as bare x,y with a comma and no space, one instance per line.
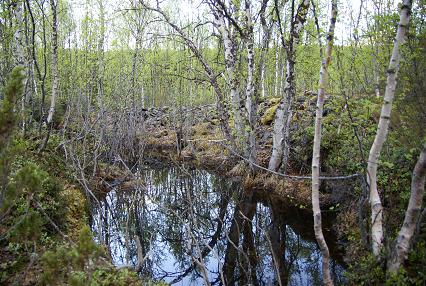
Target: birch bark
55,75
230,51
19,42
403,240
316,149
251,103
18,35
382,130
281,134
277,66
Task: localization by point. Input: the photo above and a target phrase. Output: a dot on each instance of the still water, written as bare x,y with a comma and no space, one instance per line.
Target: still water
190,227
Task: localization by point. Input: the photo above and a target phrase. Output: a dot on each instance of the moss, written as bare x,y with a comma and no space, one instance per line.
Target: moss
274,100
75,213
269,115
239,170
201,130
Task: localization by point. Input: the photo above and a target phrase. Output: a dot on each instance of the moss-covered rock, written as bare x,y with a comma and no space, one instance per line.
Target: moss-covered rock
269,114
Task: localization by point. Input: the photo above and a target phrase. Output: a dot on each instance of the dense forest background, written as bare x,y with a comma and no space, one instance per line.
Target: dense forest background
293,88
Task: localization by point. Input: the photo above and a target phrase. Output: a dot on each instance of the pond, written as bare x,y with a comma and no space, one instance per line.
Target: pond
190,227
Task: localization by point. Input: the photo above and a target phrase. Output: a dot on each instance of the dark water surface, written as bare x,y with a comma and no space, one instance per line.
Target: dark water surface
191,227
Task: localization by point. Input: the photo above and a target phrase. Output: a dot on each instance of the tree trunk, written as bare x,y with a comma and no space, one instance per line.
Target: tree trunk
55,75
277,66
382,130
18,36
230,50
220,103
316,150
251,100
40,77
403,241
281,134
136,55
19,43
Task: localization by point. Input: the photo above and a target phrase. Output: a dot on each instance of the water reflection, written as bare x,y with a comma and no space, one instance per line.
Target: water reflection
189,227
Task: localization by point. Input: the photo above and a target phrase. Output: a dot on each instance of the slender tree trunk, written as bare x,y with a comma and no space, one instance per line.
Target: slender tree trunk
28,81
251,100
19,44
43,77
403,241
230,50
220,102
55,75
136,56
281,134
382,130
262,79
264,47
18,35
40,77
99,75
316,150
277,67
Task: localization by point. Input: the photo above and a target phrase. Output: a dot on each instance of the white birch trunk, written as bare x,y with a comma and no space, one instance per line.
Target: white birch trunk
403,240
55,75
281,134
262,79
377,89
277,67
316,150
136,55
230,49
18,35
250,93
281,76
19,42
382,130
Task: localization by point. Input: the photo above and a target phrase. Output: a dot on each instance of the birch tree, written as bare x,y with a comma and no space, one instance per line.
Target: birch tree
55,78
55,74
405,235
234,32
19,48
316,148
229,29
250,98
382,130
18,35
208,70
281,134
259,84
140,18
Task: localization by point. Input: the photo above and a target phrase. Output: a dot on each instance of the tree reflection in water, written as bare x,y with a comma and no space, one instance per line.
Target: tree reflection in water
189,227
